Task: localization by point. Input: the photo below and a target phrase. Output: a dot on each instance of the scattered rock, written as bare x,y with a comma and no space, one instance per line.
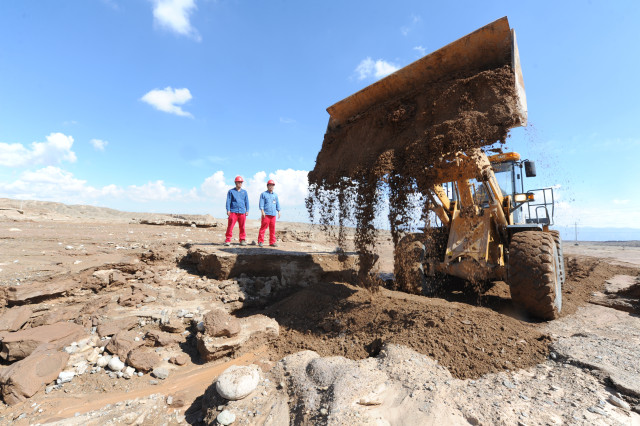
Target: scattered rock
20,344
104,276
159,338
122,343
112,327
237,382
103,361
181,359
14,318
255,330
160,373
21,294
218,323
115,364
135,298
24,378
128,372
619,402
65,377
174,326
226,417
143,359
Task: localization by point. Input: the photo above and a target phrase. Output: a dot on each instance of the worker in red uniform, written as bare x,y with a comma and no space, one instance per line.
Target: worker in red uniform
269,205
237,211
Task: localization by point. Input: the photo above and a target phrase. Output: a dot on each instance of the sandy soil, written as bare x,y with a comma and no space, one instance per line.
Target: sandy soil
473,337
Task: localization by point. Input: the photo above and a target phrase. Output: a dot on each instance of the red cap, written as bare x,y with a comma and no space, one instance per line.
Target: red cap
239,179
271,182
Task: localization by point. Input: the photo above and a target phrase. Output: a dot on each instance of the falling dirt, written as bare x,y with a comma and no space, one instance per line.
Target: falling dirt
389,151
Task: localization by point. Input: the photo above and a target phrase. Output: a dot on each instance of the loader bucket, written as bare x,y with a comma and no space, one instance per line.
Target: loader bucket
489,47
465,95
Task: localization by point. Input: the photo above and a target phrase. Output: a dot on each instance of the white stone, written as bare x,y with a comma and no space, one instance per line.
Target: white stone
65,377
82,367
115,364
237,382
226,417
103,361
200,326
129,372
93,356
71,349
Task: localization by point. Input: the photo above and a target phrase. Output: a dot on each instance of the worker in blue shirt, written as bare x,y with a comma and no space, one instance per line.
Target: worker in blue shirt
269,205
237,211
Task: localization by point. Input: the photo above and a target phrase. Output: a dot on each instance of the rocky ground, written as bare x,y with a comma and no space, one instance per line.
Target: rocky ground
114,317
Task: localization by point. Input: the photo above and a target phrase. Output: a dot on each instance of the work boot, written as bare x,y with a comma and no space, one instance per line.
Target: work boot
260,244
243,243
227,243
273,245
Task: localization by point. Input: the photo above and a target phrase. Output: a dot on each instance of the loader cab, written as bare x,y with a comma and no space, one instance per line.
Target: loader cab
534,206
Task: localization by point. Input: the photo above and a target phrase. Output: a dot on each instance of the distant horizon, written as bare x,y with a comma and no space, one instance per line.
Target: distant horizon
567,232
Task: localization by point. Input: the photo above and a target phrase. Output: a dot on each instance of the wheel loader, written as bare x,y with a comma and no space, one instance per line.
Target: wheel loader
480,223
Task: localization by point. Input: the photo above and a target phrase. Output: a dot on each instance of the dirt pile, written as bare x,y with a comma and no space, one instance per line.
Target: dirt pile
343,320
390,150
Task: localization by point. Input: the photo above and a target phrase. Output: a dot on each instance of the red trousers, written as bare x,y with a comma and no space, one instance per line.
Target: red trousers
231,222
270,222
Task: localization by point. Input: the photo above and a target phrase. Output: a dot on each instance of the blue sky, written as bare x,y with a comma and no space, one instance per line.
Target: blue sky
156,105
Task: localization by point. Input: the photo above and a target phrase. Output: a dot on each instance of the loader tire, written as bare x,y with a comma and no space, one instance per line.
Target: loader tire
408,258
558,241
533,274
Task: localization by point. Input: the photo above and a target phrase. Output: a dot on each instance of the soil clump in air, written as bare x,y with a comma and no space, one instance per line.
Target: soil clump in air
389,152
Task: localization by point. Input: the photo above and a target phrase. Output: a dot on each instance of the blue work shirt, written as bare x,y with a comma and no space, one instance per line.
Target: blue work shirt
269,203
237,201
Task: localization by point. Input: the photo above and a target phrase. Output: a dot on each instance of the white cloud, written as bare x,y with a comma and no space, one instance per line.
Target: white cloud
111,3
153,191
168,99
175,16
406,29
55,150
421,50
368,68
99,144
215,185
287,120
55,184
619,202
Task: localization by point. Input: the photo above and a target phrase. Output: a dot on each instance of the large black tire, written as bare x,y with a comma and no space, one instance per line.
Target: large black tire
408,258
533,274
561,269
